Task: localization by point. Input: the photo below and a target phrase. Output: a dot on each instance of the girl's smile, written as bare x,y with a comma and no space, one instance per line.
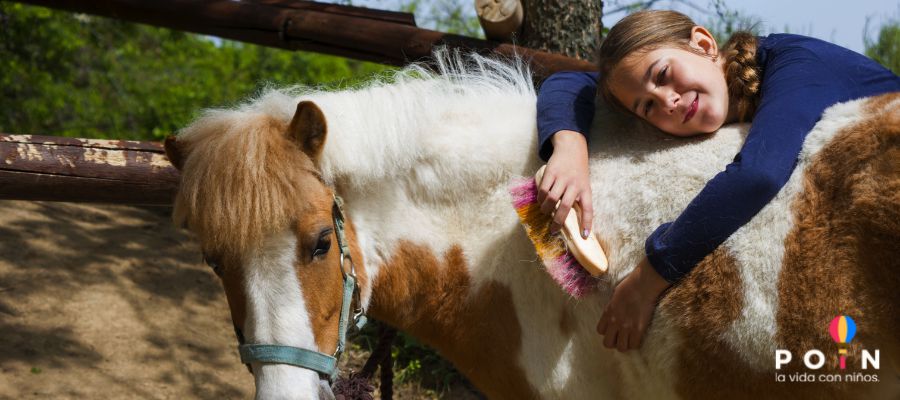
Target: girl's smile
692,110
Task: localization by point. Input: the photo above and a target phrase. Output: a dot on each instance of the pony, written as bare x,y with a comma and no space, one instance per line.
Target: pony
423,160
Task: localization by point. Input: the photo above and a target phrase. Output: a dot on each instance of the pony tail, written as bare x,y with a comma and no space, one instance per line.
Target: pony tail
742,74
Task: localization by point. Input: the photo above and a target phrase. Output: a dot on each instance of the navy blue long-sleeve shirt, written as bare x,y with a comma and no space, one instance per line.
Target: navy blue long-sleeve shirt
801,77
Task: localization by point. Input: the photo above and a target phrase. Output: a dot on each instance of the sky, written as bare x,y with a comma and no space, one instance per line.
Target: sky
837,21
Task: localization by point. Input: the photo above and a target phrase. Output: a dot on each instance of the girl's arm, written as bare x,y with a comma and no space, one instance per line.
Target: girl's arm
794,94
797,88
565,102
565,108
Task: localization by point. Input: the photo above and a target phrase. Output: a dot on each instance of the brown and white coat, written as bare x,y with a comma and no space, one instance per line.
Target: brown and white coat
423,165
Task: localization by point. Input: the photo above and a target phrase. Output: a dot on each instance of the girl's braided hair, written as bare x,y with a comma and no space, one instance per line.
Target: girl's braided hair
742,74
649,30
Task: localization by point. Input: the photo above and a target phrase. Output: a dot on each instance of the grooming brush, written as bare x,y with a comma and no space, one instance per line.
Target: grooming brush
574,263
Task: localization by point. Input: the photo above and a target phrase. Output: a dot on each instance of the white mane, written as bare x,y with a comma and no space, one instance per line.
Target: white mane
394,124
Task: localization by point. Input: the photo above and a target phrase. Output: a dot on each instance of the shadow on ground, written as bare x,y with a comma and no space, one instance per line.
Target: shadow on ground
114,302
111,302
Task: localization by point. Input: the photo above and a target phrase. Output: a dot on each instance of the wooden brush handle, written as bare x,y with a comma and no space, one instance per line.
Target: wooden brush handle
588,251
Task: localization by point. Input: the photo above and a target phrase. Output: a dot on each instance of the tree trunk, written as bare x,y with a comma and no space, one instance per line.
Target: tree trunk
569,27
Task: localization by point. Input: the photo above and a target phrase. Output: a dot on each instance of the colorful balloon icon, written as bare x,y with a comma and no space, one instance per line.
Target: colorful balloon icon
842,330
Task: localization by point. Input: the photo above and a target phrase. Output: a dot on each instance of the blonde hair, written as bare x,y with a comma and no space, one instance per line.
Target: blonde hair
649,30
742,74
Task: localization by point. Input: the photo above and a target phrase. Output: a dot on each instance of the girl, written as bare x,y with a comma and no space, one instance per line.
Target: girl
663,68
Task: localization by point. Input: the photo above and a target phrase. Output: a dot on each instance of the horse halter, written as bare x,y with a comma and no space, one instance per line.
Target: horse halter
324,364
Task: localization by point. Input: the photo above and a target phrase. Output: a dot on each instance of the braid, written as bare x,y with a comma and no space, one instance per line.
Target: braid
742,74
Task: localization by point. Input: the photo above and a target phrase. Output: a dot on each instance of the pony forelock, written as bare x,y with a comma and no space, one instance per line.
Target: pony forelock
240,180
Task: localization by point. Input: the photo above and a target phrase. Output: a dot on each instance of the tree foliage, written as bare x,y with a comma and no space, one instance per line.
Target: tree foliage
725,21
77,75
886,47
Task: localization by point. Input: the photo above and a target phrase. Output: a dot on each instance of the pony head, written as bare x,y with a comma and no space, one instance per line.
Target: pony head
253,196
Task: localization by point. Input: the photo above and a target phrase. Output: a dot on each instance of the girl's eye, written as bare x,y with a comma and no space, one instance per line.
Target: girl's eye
662,75
323,244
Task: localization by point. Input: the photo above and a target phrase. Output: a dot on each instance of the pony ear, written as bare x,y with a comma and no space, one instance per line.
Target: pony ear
172,152
308,129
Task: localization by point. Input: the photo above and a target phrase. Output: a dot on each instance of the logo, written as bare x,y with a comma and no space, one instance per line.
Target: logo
842,329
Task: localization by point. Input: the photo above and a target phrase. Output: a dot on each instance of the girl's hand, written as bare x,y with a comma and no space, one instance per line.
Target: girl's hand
566,181
628,313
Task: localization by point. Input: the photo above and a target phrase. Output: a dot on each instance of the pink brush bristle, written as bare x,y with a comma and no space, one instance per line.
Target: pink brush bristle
560,264
570,275
524,192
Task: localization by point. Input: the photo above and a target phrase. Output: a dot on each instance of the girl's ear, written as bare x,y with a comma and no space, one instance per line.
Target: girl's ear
704,41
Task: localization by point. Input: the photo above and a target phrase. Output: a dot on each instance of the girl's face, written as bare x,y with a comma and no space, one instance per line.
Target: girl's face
680,92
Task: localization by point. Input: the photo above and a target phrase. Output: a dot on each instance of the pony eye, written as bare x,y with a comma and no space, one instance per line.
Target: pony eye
214,264
323,244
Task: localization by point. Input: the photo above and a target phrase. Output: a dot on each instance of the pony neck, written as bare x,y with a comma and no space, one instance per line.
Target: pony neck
423,167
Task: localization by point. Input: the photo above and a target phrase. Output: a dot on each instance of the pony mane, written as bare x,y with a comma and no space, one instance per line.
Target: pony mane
434,117
242,174
388,125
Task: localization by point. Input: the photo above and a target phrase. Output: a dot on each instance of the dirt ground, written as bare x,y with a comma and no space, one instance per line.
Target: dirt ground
113,302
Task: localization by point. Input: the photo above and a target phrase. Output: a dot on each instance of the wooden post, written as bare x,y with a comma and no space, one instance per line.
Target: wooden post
52,168
500,19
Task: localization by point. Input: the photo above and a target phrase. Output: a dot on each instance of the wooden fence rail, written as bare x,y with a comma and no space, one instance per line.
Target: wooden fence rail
53,168
372,35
